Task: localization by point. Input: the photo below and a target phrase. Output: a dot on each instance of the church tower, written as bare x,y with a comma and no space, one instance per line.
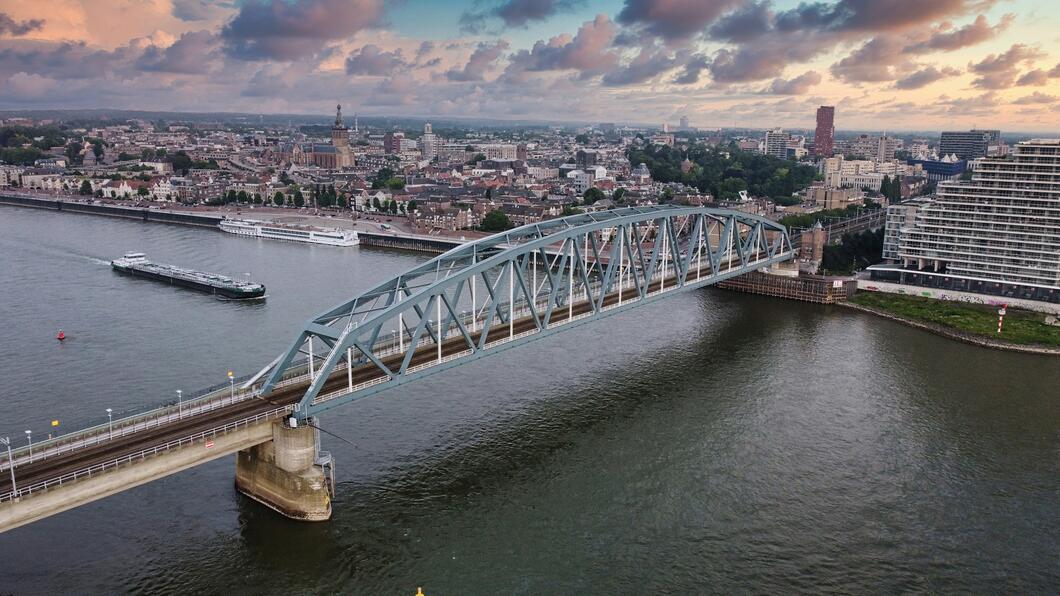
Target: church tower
340,135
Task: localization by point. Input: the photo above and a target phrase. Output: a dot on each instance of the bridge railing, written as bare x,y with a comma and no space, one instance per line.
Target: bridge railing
23,491
200,402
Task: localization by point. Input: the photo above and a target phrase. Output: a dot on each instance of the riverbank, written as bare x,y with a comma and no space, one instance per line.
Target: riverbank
1023,331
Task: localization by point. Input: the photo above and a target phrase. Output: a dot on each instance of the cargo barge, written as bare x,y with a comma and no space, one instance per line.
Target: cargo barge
136,263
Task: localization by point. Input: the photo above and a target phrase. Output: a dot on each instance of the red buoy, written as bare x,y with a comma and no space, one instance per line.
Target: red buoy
61,335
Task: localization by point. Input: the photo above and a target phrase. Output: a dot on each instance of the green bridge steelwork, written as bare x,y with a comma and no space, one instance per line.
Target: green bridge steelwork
514,287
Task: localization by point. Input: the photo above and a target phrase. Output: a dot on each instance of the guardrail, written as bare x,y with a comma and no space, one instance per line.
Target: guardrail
141,455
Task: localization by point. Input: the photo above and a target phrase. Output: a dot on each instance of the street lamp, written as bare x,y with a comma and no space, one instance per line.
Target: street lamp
180,410
110,422
10,462
232,384
29,439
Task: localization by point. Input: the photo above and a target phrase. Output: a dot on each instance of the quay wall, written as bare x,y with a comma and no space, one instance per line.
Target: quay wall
134,213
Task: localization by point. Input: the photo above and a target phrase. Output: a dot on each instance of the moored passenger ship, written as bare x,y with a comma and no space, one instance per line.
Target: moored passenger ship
263,229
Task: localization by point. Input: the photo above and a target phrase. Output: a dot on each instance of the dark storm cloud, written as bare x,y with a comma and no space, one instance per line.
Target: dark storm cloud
515,13
481,60
9,26
673,19
288,30
799,85
371,60
925,77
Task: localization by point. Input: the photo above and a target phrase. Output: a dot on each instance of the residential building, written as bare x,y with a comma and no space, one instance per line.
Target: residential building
824,135
996,234
777,143
899,217
429,143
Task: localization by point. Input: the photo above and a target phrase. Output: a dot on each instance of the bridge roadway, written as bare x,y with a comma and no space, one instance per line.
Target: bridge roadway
57,466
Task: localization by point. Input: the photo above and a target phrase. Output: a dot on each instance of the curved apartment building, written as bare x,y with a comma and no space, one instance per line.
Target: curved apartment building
996,234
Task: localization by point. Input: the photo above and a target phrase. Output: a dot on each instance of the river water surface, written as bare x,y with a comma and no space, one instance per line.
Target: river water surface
709,443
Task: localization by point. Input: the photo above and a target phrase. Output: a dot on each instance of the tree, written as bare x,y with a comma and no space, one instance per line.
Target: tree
496,221
147,155
142,191
299,200
619,195
181,162
412,207
277,199
241,196
257,198
382,177
160,153
568,210
582,139
231,197
375,204
667,195
86,187
393,207
73,153
592,195
476,158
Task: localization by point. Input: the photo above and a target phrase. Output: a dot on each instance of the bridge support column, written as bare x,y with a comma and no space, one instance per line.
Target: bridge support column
284,473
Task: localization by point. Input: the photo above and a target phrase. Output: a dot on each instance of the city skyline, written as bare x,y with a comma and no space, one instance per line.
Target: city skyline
894,64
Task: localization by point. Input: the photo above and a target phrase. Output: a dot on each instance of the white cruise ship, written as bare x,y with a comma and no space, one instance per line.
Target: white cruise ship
264,229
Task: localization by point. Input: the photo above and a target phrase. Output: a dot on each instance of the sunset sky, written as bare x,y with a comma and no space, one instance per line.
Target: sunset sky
885,64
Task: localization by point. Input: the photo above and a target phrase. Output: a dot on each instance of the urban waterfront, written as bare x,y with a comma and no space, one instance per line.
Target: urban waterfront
711,442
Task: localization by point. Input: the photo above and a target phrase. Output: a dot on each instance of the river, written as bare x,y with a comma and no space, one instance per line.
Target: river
710,442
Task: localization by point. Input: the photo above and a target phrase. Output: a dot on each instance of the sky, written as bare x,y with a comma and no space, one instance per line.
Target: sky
885,64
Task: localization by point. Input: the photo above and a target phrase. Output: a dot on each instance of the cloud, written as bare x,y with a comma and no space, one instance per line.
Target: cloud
1036,98
925,77
673,19
9,26
744,24
695,65
372,61
873,16
197,10
648,64
515,13
28,87
194,52
799,85
287,30
999,71
588,52
945,38
481,60
874,62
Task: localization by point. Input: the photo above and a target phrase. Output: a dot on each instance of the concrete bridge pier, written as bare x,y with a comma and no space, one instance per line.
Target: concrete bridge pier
288,473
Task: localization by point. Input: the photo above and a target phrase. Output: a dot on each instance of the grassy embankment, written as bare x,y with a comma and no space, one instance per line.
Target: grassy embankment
1021,326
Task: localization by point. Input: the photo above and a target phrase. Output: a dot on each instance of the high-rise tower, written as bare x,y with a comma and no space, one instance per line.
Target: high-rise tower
824,137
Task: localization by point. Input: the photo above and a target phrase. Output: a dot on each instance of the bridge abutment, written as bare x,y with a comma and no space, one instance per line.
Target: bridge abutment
284,474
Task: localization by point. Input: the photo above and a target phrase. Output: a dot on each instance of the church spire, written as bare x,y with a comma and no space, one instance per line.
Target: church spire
338,115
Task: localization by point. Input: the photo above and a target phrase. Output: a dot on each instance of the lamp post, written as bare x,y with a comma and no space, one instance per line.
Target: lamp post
29,439
10,463
232,384
180,405
110,422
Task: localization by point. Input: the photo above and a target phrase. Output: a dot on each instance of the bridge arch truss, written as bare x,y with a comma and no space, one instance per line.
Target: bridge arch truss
513,287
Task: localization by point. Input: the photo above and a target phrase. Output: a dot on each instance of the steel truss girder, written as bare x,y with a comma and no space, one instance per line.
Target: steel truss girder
582,260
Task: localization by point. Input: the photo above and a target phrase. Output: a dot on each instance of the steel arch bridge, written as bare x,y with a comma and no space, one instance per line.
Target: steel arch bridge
514,287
